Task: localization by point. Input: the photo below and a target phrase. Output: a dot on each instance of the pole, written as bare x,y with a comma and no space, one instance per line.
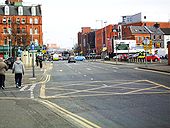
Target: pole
33,68
116,52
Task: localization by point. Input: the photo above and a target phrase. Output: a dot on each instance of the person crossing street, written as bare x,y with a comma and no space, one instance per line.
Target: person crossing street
18,69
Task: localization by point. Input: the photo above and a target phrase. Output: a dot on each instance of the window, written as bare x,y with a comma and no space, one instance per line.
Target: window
4,20
31,31
33,11
31,20
5,42
23,30
20,11
23,21
18,21
5,30
10,31
18,30
9,21
6,10
160,37
36,21
36,42
36,31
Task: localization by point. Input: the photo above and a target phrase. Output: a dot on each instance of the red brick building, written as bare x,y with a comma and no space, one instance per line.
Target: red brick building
19,26
105,37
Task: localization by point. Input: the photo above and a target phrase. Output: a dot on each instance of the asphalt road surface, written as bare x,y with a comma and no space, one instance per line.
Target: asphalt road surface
110,96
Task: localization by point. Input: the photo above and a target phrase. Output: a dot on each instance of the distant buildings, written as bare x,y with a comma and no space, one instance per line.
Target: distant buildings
133,27
19,26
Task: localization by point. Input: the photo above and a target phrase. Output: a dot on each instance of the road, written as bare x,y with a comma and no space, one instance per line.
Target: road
87,94
109,96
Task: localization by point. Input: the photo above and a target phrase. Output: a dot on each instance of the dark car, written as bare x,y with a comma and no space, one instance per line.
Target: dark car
71,59
10,61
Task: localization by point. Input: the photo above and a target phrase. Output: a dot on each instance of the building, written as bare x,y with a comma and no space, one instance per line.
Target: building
19,27
86,40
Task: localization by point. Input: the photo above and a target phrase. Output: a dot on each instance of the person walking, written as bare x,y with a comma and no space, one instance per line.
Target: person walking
3,69
19,69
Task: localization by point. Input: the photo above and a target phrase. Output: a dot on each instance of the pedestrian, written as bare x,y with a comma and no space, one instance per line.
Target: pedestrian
3,69
18,69
40,61
37,60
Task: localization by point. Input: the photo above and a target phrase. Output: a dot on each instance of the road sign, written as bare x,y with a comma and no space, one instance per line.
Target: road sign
33,51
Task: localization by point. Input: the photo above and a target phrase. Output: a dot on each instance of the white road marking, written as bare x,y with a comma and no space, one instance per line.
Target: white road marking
89,69
23,88
32,91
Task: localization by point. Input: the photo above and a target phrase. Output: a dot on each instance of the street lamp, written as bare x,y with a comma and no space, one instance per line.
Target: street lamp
32,48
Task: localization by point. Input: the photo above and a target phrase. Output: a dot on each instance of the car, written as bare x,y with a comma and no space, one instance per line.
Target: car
106,58
10,61
79,58
71,59
150,57
154,58
120,57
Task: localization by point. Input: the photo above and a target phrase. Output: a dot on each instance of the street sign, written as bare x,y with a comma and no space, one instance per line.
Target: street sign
33,51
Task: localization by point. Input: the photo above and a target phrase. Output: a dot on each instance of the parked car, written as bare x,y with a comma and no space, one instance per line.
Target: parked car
121,57
150,57
10,61
79,58
71,59
106,58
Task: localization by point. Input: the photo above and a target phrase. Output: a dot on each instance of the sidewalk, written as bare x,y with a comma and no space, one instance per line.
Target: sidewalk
26,112
162,67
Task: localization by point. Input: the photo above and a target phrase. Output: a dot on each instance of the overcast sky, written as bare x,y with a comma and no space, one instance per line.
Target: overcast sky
63,19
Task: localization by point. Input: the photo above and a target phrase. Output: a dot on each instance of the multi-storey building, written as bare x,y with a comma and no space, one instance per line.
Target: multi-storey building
19,27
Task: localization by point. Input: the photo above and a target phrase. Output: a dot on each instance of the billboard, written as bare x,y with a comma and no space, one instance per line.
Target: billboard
124,46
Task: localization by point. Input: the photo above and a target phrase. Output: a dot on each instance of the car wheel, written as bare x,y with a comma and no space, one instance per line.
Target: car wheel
156,60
